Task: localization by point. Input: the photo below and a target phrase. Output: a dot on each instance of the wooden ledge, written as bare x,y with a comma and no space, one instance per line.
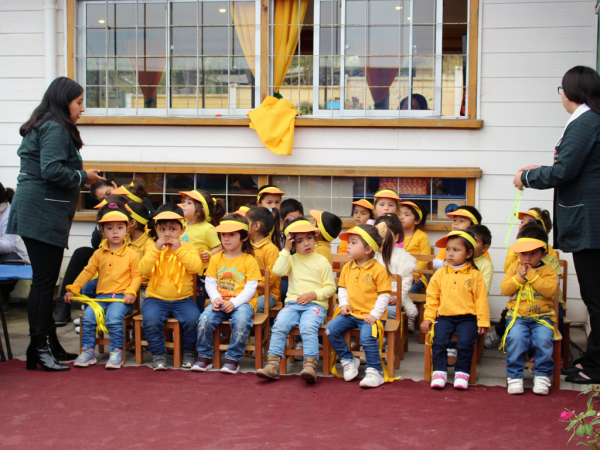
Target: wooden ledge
465,124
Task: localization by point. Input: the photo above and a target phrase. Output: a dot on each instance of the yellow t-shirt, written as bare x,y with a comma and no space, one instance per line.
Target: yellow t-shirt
202,236
324,248
266,253
418,244
232,275
364,284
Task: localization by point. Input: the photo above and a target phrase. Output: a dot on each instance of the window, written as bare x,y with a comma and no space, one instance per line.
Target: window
159,57
371,58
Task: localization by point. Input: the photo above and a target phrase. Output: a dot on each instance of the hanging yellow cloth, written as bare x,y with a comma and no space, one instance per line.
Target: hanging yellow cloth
175,274
243,16
274,123
98,310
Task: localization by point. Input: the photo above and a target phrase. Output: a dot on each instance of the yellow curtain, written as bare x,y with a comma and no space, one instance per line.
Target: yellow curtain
285,38
243,16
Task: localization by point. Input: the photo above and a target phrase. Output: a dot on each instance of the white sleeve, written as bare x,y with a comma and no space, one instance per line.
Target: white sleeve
342,297
210,284
438,263
247,293
7,241
380,305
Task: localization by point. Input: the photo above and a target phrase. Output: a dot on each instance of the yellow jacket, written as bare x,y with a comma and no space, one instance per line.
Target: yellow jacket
172,275
266,254
544,283
456,292
341,250
324,248
418,244
118,271
141,246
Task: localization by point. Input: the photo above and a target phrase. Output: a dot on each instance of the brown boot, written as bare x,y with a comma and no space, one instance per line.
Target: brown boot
271,370
309,371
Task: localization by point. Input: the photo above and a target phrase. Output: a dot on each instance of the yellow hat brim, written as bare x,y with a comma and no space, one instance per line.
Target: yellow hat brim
364,203
167,215
191,194
229,227
526,246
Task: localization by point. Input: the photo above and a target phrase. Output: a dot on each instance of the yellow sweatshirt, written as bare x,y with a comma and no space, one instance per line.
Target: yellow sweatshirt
307,273
173,276
266,253
486,268
456,292
118,271
418,244
324,248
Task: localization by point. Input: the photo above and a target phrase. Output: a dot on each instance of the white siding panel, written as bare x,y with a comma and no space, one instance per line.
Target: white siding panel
8,176
498,211
494,187
524,114
22,44
19,22
521,90
22,66
549,64
22,89
26,5
526,40
16,112
9,155
532,15
509,3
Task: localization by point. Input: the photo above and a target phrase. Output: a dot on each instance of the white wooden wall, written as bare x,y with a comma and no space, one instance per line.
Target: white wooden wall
526,47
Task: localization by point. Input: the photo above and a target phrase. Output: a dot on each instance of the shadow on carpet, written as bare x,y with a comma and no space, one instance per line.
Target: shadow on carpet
136,407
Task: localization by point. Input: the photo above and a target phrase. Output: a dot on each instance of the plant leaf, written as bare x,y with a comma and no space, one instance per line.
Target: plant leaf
589,429
580,431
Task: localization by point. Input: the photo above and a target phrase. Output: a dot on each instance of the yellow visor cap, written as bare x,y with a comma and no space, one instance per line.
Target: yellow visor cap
527,245
364,203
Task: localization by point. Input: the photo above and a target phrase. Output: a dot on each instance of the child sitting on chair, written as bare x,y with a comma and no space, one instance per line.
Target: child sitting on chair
329,227
531,285
171,265
119,279
311,283
457,303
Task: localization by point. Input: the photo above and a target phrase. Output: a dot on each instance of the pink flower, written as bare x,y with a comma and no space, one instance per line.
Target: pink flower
566,415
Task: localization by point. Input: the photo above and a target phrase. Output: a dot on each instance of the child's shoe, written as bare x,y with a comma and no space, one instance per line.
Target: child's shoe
202,365
78,330
271,370
299,346
372,379
452,356
541,385
438,379
350,369
87,358
411,324
77,322
115,361
492,340
189,356
230,366
461,380
159,362
309,371
515,386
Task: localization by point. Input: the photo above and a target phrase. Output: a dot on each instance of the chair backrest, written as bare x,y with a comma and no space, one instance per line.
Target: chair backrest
338,262
267,294
429,258
564,267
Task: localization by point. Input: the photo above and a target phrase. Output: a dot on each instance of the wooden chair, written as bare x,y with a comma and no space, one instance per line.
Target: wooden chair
260,331
420,298
279,305
429,361
101,341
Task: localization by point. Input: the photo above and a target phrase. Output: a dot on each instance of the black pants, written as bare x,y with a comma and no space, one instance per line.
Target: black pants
45,263
77,263
465,327
587,266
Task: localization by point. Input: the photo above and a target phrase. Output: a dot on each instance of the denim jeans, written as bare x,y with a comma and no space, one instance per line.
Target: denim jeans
416,287
309,317
465,327
89,288
241,325
115,312
335,334
261,303
528,335
157,311
201,294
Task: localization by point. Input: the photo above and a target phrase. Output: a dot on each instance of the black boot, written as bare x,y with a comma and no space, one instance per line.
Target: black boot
59,353
38,352
62,316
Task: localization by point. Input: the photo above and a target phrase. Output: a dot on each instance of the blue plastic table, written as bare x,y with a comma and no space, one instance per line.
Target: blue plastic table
10,272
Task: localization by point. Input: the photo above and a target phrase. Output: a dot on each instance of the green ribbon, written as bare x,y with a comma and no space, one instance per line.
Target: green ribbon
513,218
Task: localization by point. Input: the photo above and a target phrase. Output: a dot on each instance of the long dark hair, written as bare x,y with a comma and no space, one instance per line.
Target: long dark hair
6,194
582,85
383,237
268,221
55,106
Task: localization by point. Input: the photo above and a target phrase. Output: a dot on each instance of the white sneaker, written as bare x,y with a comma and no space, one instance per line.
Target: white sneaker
77,330
350,369
541,385
515,386
491,340
411,324
299,346
76,322
372,379
461,380
438,379
452,353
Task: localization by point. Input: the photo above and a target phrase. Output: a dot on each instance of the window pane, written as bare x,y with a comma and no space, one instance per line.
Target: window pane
215,13
356,12
287,183
95,15
384,12
214,41
121,96
235,202
121,71
120,178
331,12
177,182
95,42
156,200
424,11
214,184
243,184
95,97
184,41
96,71
184,13
154,182
152,14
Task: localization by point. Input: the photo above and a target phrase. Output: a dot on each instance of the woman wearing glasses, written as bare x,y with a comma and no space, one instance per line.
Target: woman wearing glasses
575,177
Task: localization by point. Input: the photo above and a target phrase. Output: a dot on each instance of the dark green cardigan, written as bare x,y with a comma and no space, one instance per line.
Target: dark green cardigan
575,177
48,186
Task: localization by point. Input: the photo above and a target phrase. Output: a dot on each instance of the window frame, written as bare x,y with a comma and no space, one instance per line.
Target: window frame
470,121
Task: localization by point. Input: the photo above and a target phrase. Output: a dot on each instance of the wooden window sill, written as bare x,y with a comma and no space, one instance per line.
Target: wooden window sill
300,122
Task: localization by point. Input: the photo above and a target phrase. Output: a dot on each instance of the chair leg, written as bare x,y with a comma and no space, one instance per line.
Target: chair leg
556,371
283,362
391,351
217,348
100,346
292,346
427,365
397,352
80,335
566,343
177,345
124,349
473,374
139,355
258,347
480,339
326,354
421,309
6,337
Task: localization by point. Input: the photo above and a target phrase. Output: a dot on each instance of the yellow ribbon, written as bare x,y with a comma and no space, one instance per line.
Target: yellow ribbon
176,273
138,218
98,310
133,197
368,239
324,232
205,207
515,209
429,341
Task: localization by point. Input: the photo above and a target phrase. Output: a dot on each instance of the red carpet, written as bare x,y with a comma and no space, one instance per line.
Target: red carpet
136,407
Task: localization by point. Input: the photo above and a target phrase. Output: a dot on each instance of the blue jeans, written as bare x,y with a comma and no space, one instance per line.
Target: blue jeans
241,324
115,313
335,334
416,287
528,335
465,327
310,317
157,311
201,294
89,288
261,303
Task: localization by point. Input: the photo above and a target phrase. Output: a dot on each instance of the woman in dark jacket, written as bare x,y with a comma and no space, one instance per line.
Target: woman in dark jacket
575,177
49,182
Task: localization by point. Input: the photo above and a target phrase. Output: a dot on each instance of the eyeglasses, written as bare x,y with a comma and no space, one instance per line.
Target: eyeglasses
560,90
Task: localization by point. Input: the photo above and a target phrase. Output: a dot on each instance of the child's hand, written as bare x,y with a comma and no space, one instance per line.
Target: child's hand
481,330
128,299
523,271
174,244
160,243
392,300
205,257
227,307
217,304
345,310
416,278
289,242
425,326
68,296
305,299
370,319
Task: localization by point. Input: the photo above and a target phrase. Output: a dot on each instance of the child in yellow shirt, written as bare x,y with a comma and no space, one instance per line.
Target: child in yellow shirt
269,196
329,226
264,236
231,281
119,279
457,302
385,202
362,212
364,294
531,285
413,218
139,238
171,264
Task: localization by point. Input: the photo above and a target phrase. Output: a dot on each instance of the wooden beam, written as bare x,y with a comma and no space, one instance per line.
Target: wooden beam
264,49
71,39
471,184
472,58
